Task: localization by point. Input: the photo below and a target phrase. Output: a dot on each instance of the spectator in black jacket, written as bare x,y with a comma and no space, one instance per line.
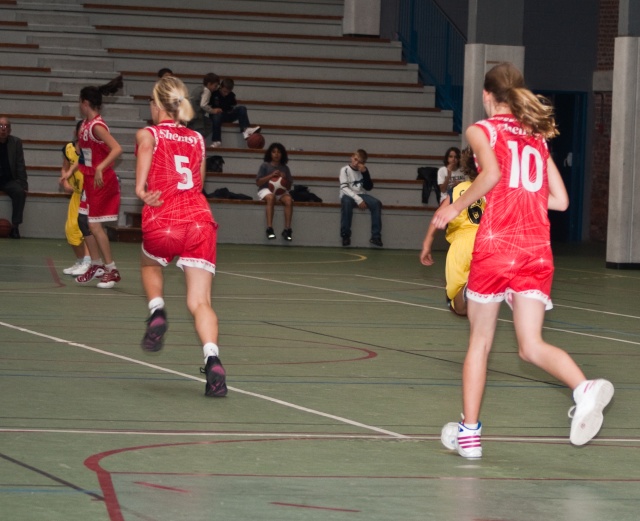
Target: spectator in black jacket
13,174
224,108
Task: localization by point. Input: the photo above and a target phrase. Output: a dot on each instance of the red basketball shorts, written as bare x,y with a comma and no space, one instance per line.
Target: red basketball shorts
193,243
104,202
495,277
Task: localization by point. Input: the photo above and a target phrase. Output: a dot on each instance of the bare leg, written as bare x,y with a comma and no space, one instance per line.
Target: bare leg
528,317
460,304
199,303
102,240
483,319
152,277
287,201
92,247
79,250
271,201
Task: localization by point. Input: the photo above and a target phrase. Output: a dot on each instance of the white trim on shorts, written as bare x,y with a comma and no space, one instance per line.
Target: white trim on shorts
508,297
182,262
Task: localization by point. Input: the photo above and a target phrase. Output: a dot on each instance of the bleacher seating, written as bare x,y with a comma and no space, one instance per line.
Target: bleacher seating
320,94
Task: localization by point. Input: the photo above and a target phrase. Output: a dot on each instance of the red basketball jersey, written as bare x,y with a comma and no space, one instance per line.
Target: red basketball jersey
515,219
94,151
175,172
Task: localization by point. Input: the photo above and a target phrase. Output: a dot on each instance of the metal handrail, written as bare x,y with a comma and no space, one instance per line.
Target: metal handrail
432,41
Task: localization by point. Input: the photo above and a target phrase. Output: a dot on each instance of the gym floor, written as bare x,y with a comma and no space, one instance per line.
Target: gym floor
343,365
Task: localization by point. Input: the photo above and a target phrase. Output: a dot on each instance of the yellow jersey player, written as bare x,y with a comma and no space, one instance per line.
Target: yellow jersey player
461,234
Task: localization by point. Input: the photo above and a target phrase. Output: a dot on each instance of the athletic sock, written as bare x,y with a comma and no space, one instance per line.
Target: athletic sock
210,349
155,303
110,267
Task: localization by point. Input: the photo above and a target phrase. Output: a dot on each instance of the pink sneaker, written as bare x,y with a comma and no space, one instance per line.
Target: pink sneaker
96,271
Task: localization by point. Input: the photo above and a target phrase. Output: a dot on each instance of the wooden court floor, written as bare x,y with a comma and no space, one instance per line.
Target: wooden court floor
343,365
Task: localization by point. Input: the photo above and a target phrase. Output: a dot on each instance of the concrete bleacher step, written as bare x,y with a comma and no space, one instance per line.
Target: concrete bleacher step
34,17
330,77
274,89
323,163
233,21
228,42
389,191
313,224
56,41
302,69
291,8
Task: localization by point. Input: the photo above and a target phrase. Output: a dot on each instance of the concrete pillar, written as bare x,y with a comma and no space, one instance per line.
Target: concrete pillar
623,226
361,18
478,59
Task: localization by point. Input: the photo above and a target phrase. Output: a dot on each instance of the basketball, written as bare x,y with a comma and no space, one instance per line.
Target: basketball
278,186
255,140
5,228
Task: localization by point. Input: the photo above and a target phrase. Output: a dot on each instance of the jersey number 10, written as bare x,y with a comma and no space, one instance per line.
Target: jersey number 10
521,166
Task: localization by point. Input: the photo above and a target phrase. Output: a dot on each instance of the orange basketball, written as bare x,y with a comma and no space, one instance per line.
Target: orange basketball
255,140
5,228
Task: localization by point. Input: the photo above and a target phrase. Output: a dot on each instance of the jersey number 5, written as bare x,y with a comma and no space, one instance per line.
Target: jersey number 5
186,175
521,165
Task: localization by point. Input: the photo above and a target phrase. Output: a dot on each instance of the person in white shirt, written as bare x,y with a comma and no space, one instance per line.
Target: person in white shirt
355,181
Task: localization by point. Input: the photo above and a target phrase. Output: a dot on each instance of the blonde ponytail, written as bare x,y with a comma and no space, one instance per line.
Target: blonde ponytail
170,94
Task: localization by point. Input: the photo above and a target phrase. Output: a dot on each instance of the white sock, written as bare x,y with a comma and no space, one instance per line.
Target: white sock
156,303
110,266
579,389
210,349
86,259
471,426
96,262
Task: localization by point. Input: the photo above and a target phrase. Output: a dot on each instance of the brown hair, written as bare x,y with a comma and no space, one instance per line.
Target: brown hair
506,83
468,164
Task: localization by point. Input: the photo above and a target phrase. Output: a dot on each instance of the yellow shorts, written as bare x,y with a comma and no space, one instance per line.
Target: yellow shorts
71,228
459,263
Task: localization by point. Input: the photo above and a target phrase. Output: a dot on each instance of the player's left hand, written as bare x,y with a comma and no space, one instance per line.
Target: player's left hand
153,198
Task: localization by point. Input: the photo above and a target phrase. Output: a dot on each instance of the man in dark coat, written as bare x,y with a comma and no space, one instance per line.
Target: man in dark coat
13,173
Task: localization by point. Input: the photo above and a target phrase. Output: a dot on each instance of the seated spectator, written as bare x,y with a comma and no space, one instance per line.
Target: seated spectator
200,98
450,174
13,174
165,71
224,108
355,180
275,166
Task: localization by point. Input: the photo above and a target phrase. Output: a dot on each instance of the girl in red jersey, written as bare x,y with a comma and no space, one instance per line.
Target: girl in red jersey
101,185
177,222
512,257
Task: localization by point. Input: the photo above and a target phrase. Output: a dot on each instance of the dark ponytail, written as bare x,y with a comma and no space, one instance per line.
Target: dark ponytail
94,94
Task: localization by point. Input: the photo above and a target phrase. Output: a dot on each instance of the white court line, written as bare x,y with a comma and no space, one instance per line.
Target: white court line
424,306
197,379
433,437
275,400
554,303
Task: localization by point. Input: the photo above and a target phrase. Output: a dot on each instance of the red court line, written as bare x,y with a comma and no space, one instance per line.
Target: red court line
278,503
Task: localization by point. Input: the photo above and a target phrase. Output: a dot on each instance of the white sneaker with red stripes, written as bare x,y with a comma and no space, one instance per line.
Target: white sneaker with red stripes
591,397
457,436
